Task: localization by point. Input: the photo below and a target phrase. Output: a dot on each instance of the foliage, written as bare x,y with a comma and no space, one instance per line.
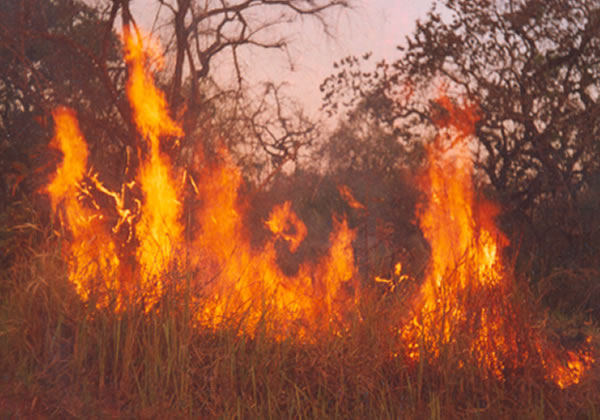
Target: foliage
531,66
52,54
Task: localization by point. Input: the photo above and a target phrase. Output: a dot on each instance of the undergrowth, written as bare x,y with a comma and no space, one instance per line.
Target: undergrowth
64,358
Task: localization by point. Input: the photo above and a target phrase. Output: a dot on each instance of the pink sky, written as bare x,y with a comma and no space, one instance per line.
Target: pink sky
373,25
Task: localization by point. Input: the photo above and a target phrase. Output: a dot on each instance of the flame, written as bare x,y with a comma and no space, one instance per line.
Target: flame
90,251
397,279
234,281
347,195
285,224
466,292
249,283
69,140
464,247
159,229
237,283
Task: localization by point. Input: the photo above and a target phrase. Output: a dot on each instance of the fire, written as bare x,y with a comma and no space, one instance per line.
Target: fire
349,197
282,220
234,282
159,229
90,250
464,250
569,373
70,141
466,292
249,283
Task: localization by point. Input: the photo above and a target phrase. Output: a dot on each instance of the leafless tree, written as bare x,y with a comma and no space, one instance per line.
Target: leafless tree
198,32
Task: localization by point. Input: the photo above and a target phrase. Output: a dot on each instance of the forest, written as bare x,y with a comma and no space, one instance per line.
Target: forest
177,245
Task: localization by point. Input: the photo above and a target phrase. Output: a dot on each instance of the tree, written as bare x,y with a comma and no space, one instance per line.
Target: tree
51,54
532,67
365,157
263,129
201,30
199,33
67,52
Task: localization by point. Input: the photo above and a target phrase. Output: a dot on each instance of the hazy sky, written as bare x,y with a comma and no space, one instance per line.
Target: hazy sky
374,25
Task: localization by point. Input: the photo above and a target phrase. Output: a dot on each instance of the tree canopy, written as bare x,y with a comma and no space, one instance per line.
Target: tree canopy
532,68
67,52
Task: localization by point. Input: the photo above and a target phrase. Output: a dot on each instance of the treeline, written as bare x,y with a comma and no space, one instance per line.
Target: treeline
531,66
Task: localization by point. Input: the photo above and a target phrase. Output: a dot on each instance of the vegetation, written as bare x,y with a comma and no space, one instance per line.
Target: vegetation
531,68
62,358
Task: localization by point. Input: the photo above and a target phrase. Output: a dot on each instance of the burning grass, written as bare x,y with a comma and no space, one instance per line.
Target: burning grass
147,316
62,357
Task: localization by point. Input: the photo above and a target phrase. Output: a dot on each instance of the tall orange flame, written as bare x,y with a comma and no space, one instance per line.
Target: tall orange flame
466,291
159,229
236,281
91,251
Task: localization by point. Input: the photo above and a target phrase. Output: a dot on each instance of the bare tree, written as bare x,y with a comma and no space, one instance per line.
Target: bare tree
201,30
198,32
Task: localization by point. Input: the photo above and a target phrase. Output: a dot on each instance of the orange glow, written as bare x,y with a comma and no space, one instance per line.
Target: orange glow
159,229
466,292
235,282
397,279
285,224
69,140
349,197
568,375
90,252
248,284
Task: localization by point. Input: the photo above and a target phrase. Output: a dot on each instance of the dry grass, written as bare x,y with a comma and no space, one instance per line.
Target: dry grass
62,358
